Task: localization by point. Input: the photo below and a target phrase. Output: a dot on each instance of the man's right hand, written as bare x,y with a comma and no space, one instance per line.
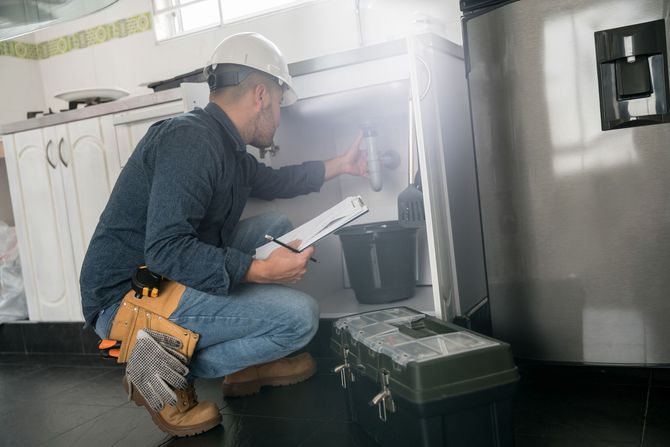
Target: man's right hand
282,266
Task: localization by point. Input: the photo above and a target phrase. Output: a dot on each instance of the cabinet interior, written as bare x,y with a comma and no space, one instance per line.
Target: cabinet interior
320,128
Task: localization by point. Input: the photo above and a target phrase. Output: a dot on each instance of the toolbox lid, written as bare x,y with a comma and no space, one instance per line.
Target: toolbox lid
380,331
427,359
395,315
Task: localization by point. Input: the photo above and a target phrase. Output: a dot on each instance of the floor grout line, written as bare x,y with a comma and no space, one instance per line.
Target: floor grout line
646,408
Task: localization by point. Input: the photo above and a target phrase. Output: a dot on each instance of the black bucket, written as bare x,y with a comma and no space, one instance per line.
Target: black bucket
381,261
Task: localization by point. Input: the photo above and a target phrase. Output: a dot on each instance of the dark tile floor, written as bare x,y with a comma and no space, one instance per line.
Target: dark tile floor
76,400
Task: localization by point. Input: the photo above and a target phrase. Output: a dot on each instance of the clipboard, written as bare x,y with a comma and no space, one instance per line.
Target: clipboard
319,227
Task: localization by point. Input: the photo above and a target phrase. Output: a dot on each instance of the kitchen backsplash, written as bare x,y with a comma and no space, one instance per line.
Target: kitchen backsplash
81,39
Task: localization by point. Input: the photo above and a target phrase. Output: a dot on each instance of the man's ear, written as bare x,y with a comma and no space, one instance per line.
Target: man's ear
260,95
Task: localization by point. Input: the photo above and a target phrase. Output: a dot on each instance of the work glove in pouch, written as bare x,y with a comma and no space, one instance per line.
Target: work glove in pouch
155,368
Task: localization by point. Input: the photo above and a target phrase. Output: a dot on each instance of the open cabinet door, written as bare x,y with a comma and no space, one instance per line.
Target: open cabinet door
447,164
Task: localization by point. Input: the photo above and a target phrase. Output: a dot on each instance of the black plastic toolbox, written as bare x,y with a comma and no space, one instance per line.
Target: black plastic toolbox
414,380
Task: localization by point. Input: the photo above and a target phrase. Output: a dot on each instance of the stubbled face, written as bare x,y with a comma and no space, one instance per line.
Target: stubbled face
267,120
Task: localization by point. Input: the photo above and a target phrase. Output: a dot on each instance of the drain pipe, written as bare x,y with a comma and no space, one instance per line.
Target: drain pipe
374,157
378,159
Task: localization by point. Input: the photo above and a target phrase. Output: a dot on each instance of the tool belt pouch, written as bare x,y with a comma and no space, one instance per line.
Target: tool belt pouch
153,313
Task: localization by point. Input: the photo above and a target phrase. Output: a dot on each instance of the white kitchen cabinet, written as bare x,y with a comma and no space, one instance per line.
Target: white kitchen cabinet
60,179
36,188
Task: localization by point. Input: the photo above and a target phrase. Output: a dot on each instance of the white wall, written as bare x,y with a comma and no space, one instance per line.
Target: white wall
317,28
20,91
20,87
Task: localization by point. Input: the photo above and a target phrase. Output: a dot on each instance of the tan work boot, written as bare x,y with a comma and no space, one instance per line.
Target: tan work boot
189,417
286,371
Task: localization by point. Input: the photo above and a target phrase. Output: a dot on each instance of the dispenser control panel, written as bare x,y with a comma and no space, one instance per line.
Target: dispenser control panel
633,75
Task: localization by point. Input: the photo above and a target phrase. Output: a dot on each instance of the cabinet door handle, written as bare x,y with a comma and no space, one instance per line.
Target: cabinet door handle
428,78
51,163
60,152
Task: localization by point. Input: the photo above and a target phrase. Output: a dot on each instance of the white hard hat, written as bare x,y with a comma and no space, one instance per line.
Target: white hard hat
250,50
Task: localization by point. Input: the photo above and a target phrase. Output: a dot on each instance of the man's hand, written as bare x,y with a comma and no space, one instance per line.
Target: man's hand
282,266
353,161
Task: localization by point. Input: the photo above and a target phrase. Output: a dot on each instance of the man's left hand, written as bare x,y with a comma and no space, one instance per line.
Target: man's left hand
353,161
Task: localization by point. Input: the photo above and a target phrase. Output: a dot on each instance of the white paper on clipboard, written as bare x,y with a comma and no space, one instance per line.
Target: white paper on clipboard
319,227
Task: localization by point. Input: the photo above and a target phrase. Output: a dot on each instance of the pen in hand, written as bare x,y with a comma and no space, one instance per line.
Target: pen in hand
278,242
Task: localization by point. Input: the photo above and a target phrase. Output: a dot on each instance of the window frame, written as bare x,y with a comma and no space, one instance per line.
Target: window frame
222,23
265,12
177,11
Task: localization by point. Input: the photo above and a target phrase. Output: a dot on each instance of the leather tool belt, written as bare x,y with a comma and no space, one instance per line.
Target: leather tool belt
153,313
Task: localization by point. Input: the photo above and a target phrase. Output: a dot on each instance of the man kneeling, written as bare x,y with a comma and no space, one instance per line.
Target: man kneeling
176,208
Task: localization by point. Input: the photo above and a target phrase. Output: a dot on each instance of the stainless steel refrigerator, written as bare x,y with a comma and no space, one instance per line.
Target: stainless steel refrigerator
570,115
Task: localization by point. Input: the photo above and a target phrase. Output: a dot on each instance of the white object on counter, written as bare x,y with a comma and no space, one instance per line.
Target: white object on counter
108,94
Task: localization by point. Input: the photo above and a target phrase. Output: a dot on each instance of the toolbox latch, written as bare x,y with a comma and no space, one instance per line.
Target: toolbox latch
383,400
345,368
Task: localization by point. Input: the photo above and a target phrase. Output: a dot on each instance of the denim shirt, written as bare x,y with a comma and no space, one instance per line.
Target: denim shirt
175,205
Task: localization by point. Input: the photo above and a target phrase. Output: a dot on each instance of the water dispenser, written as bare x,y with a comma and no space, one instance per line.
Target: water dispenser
633,75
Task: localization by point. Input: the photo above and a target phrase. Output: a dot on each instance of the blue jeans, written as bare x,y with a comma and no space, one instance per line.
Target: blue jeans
256,323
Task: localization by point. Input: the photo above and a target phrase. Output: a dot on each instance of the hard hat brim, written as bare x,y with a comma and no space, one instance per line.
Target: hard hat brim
289,97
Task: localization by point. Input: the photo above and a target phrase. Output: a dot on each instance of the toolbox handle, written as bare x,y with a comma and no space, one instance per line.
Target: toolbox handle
384,397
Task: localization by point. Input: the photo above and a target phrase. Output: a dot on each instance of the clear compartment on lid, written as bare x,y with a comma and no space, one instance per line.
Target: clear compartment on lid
442,345
397,316
385,343
414,351
366,332
396,313
354,323
455,342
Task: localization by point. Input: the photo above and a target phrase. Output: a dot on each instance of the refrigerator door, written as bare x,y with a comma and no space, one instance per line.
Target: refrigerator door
576,219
